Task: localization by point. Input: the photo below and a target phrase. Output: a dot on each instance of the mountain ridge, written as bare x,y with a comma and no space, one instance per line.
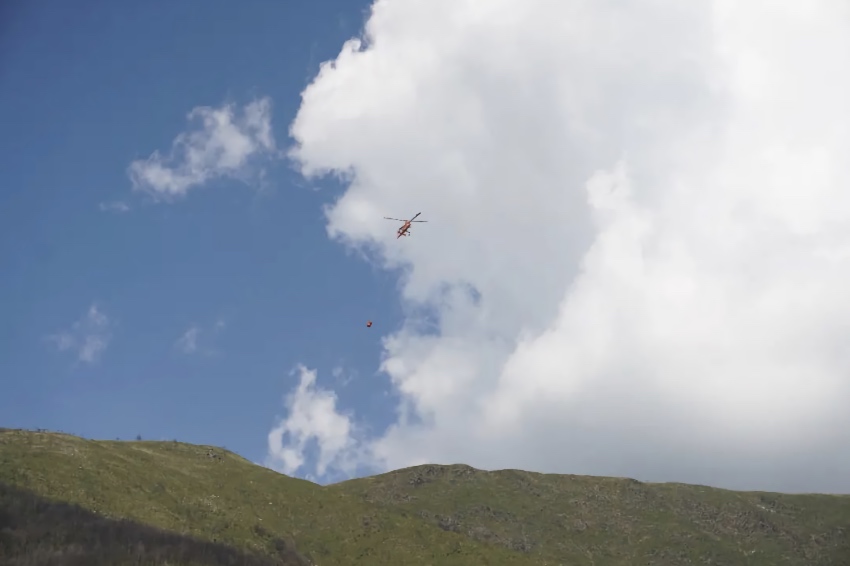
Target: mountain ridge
429,514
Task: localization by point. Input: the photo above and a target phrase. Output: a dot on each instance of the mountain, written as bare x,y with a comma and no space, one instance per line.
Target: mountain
68,500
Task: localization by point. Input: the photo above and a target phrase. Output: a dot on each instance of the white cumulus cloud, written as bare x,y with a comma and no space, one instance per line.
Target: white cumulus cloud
225,144
638,248
312,419
88,337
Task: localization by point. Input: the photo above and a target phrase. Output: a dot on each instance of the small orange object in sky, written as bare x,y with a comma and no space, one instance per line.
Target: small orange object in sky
369,324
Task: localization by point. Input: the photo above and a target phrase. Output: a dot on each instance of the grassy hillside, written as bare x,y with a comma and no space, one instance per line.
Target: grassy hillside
438,515
37,531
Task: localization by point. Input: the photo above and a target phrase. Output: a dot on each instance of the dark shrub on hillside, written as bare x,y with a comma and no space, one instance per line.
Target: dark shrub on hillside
35,531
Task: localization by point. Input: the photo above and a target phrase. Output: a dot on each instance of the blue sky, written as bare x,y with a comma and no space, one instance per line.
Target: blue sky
89,89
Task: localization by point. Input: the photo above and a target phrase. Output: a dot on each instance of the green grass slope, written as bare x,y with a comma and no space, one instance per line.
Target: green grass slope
215,495
35,531
437,515
564,519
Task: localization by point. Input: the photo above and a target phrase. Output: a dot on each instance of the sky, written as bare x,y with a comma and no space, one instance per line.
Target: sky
636,259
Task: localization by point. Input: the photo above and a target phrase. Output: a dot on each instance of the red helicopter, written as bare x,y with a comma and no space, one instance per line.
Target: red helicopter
405,228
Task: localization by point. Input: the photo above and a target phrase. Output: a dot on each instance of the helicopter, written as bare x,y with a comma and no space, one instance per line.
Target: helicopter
404,230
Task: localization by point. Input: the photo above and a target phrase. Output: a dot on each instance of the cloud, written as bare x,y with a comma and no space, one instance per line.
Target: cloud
312,417
188,343
88,337
114,206
226,144
638,245
343,375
